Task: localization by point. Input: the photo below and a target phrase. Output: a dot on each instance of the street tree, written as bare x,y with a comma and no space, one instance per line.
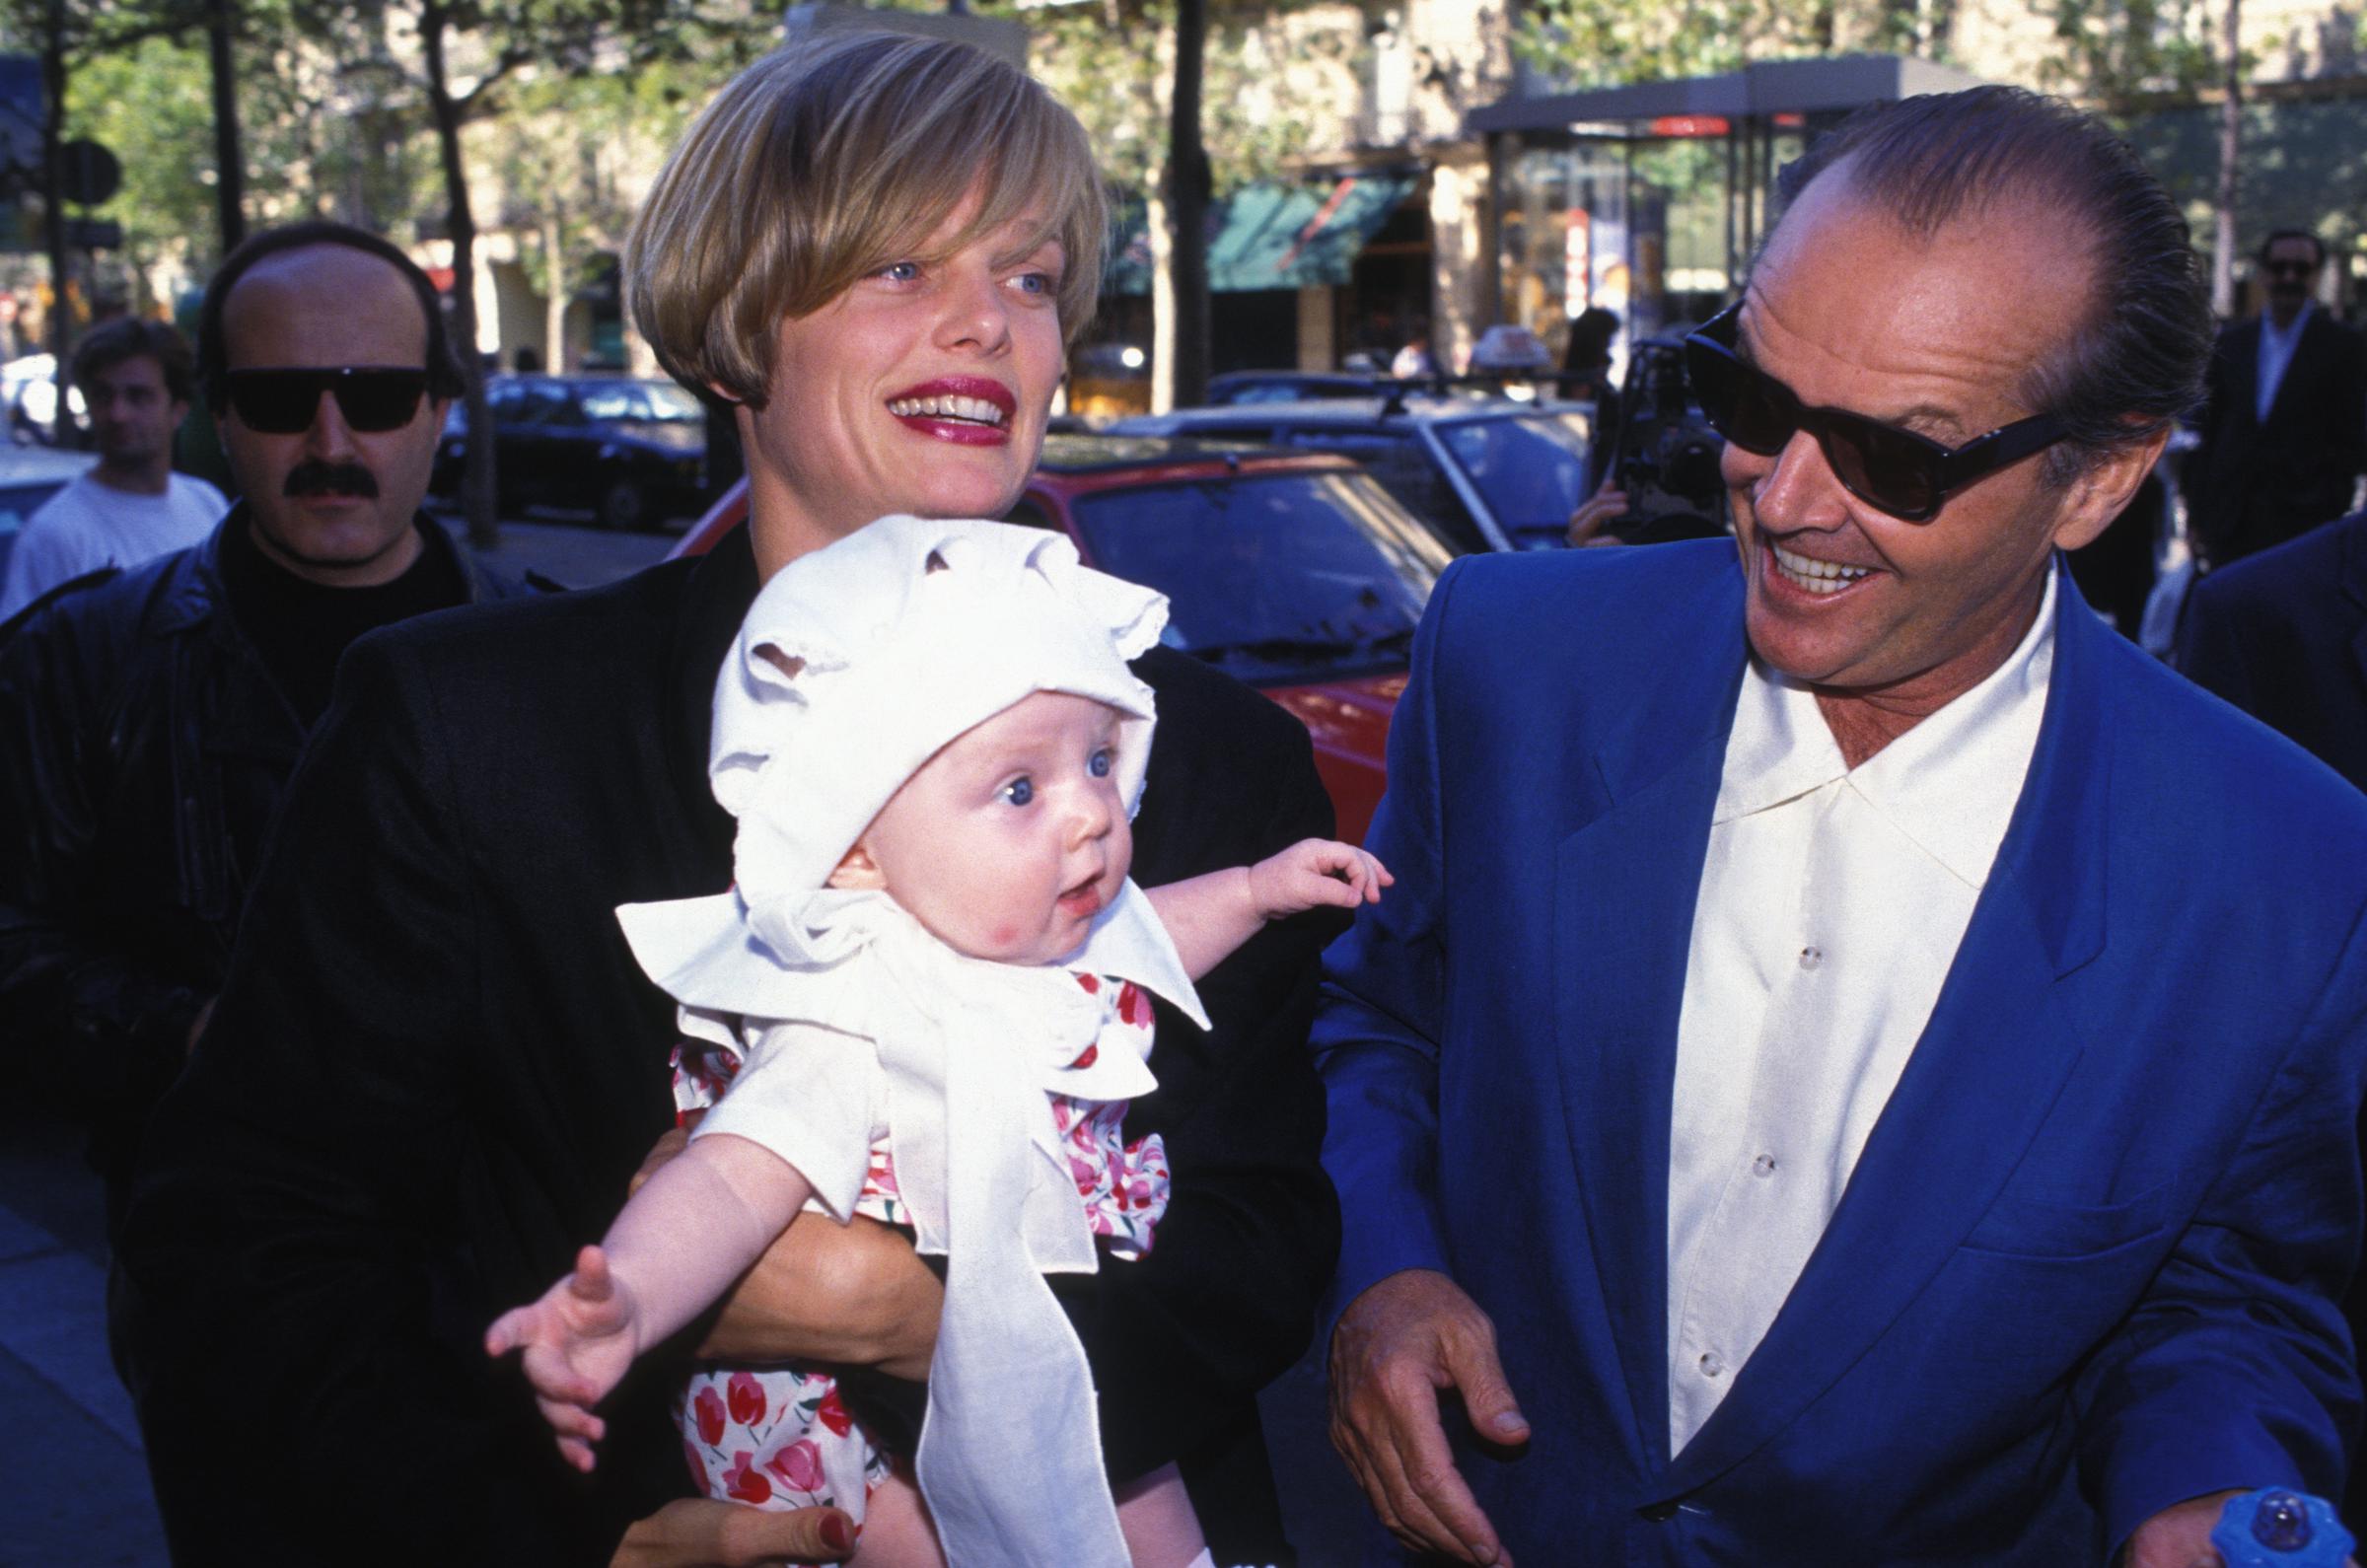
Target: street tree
462,63
1180,99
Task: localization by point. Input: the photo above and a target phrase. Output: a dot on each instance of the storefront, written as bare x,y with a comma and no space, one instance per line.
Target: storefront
1648,201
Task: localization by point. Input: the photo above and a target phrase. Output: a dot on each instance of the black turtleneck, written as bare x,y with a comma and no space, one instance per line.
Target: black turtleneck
301,630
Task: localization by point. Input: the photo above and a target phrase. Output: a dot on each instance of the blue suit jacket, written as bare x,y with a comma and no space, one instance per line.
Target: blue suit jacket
2088,1261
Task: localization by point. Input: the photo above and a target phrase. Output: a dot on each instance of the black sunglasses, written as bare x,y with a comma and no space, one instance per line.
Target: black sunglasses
283,402
1894,470
2289,269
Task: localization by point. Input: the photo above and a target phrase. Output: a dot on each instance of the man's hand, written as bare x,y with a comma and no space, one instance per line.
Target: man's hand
1595,513
2179,1537
696,1533
1396,1346
856,1294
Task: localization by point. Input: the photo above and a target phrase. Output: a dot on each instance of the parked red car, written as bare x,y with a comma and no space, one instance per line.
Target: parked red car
1295,572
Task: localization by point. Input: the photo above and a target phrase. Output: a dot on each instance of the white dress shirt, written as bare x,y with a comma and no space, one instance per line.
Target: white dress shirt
2277,355
1830,907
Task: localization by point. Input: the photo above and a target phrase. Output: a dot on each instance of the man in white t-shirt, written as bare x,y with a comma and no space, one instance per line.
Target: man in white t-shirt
136,377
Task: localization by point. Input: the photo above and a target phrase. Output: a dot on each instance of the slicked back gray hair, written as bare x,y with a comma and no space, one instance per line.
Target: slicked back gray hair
2136,362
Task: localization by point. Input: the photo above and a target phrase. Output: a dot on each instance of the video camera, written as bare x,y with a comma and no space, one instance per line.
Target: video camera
1665,454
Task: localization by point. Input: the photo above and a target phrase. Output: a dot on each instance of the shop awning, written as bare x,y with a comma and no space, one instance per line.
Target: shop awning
1270,236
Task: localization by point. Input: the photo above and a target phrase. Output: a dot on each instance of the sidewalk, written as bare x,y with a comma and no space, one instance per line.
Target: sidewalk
73,1481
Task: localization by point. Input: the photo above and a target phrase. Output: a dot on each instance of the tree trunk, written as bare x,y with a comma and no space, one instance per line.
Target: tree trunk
1186,181
1162,231
477,490
59,327
554,309
229,170
2231,140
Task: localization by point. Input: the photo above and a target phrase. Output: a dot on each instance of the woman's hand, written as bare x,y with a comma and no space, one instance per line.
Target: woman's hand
698,1532
856,1294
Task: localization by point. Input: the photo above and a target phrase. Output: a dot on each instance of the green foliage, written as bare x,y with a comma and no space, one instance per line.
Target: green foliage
1610,42
2107,51
1112,64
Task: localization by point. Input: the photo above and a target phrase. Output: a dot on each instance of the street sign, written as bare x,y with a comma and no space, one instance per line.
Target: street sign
22,104
87,173
94,234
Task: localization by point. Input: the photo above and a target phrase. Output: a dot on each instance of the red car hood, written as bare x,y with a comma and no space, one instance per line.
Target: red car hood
1349,721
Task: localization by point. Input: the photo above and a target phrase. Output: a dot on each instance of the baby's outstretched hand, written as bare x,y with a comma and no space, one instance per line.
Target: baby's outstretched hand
1313,871
578,1342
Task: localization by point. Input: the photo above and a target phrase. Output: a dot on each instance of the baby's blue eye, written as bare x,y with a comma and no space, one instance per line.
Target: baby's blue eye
1100,763
1019,791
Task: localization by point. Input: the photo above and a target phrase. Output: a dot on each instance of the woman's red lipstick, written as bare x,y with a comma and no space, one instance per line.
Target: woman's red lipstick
968,411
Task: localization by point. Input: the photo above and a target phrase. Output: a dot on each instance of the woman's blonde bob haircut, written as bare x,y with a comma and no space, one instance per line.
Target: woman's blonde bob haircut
822,163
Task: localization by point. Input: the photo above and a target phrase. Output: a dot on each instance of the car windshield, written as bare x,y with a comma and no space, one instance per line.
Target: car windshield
1530,469
640,401
1273,577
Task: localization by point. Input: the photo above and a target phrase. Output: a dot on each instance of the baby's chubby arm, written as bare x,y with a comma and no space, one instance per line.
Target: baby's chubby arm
1207,917
691,1230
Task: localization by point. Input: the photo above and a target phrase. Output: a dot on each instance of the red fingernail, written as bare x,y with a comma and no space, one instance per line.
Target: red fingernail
835,1533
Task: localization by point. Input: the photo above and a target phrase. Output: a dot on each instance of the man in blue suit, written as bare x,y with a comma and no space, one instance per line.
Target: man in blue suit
1859,1065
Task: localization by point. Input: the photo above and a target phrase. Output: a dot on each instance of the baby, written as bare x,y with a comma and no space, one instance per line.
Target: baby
923,1000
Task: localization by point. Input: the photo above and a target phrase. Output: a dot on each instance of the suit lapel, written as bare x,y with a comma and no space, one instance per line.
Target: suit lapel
1625,889
1987,1068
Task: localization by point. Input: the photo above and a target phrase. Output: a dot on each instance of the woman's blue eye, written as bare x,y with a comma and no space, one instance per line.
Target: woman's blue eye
1019,791
1039,282
898,271
1101,763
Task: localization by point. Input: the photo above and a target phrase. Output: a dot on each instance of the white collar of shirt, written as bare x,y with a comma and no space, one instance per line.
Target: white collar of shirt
2276,356
1950,783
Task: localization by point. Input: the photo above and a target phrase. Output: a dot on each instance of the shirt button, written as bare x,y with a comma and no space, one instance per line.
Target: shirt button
1763,1165
1810,958
1711,1366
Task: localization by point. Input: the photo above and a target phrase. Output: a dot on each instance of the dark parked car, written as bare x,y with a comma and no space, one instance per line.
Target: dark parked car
630,452
1295,572
1236,387
1488,474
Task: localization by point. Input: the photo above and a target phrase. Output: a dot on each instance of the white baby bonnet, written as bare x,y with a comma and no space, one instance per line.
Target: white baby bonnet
856,663
902,636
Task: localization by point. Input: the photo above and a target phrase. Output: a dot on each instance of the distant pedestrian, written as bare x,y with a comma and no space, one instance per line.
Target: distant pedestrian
2284,424
1413,360
131,507
149,717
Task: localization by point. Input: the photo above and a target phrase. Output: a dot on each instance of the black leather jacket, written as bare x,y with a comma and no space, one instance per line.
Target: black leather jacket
143,749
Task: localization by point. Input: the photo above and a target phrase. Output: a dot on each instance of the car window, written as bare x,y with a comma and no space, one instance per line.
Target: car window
1407,470
1531,470
671,403
1272,577
543,403
617,401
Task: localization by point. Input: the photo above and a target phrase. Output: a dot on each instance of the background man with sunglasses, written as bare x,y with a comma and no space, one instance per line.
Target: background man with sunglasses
1828,1085
2284,428
149,720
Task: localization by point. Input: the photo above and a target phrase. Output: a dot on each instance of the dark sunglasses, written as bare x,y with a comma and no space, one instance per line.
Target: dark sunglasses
2288,270
283,402
1894,470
